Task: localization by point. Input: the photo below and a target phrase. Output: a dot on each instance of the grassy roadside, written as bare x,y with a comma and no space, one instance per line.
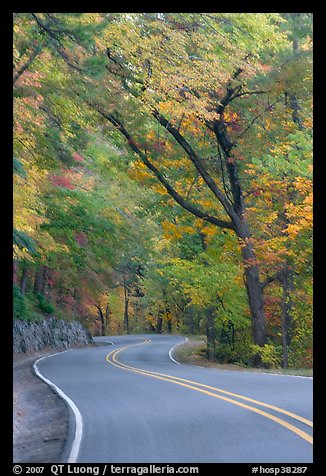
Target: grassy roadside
190,353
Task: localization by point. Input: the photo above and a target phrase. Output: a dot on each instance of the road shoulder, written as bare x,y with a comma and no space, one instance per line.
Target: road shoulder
40,417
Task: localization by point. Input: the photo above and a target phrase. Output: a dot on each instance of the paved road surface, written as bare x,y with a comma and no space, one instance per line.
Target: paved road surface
139,406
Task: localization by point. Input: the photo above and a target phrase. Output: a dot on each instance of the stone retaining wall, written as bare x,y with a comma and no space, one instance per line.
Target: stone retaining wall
51,332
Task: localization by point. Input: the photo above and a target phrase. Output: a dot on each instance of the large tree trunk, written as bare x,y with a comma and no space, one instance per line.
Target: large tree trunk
253,285
256,299
254,290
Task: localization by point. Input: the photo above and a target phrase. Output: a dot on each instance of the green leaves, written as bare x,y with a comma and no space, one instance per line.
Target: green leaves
18,168
24,242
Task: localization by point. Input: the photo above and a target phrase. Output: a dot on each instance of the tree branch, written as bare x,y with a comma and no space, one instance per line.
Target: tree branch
54,39
159,175
257,117
29,61
197,163
275,277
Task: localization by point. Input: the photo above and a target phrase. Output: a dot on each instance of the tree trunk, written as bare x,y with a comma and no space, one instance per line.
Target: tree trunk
101,319
287,287
23,279
38,281
255,294
14,272
251,272
210,318
107,316
210,332
169,325
159,324
191,319
126,316
253,287
44,280
126,309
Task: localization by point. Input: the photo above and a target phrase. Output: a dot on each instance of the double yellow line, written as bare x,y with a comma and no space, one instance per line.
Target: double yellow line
215,392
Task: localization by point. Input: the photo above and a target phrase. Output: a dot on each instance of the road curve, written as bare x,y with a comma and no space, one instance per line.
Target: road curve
134,404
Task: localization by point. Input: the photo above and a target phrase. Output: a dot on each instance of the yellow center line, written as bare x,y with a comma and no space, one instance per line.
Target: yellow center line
242,397
112,359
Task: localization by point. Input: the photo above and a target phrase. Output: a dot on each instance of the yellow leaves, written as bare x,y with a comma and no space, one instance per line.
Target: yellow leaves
292,230
139,171
206,203
173,232
210,231
303,185
300,214
308,123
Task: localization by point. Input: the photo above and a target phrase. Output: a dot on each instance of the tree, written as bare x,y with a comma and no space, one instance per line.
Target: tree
207,111
168,89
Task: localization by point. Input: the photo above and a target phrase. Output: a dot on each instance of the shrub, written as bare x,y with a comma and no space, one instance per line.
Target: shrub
19,304
239,354
23,306
270,354
44,305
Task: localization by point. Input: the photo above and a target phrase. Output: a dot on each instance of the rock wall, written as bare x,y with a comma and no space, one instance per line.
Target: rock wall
51,332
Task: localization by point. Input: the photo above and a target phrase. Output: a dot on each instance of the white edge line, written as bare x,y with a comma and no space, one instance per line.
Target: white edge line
78,418
246,371
172,349
278,375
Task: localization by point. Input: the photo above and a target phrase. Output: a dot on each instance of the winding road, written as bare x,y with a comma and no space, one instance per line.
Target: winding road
130,402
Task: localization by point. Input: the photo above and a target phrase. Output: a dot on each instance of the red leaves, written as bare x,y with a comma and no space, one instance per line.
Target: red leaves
158,146
61,181
14,274
68,301
77,157
272,311
81,239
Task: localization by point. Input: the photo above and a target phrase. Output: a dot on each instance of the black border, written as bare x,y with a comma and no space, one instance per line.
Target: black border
7,206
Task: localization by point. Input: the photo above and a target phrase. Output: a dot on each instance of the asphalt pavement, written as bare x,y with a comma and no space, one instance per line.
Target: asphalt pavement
132,403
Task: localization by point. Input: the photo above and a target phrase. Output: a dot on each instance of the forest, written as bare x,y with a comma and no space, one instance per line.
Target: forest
163,177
